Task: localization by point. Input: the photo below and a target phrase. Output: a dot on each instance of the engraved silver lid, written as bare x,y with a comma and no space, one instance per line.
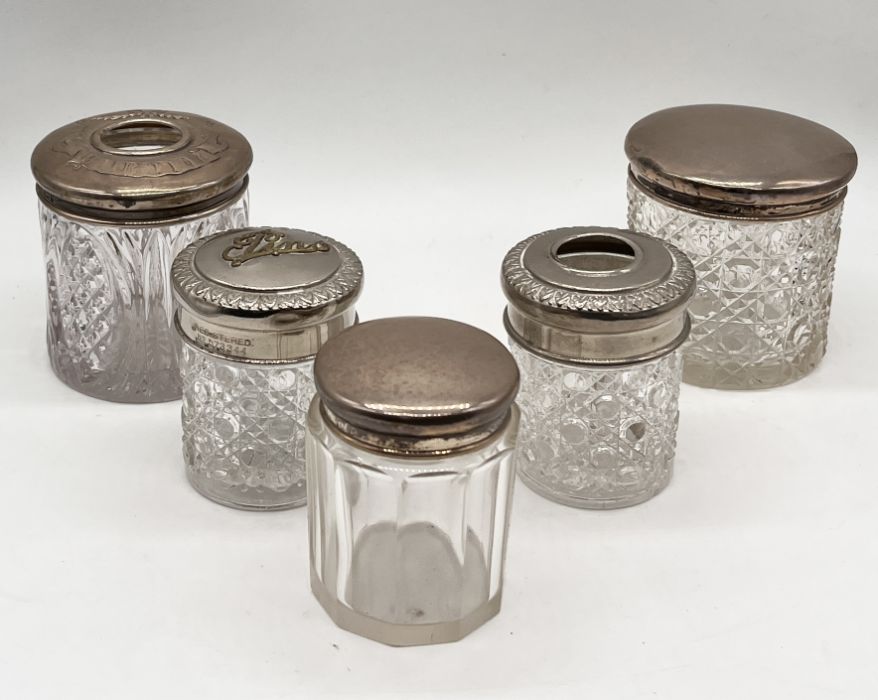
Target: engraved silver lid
141,165
739,161
265,294
416,385
597,295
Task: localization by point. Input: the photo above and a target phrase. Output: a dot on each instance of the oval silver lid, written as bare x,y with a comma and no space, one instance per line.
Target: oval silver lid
740,161
141,165
597,295
416,385
265,294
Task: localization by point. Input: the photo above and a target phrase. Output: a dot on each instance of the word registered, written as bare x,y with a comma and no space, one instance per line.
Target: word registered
258,244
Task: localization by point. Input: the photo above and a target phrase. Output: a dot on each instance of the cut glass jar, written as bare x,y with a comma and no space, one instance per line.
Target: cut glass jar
596,317
410,475
256,304
120,194
754,198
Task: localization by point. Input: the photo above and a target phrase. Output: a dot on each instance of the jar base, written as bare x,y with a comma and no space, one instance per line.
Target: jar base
400,635
160,387
594,503
710,376
272,500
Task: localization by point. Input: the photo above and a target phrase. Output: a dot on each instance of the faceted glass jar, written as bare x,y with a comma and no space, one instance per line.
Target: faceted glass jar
761,309
110,305
597,437
244,429
408,550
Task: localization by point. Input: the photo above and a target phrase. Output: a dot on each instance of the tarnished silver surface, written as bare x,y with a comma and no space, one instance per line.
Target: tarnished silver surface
141,166
739,161
416,385
265,294
597,295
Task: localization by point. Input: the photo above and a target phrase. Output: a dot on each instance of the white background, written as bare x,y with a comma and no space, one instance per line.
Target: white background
432,136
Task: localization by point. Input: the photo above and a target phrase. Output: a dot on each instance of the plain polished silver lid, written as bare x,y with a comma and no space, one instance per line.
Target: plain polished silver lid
736,160
597,295
265,294
416,384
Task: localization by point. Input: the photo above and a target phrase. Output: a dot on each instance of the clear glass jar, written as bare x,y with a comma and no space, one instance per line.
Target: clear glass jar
255,305
598,437
408,550
410,475
596,318
754,197
120,194
244,429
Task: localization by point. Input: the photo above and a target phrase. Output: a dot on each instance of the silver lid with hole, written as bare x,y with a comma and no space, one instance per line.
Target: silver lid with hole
265,294
597,295
141,166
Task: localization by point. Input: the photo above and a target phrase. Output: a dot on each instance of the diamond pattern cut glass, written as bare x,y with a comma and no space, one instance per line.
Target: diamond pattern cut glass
110,304
243,429
597,437
761,309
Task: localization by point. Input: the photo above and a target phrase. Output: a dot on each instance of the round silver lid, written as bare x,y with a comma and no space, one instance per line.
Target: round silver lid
597,295
415,384
141,165
734,160
265,294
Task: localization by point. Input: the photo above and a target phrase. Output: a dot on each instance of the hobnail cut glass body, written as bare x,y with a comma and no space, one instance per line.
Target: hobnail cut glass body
110,305
408,550
761,309
597,437
244,429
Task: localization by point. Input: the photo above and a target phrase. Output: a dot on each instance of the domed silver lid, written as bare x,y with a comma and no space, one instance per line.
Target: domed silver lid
141,165
734,160
597,295
416,385
265,294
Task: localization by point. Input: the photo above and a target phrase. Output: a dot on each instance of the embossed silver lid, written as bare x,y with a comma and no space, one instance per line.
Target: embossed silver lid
739,161
597,295
265,294
141,165
416,385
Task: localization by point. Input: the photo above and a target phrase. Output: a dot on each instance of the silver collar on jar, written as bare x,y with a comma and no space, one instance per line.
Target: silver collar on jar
416,385
596,295
265,294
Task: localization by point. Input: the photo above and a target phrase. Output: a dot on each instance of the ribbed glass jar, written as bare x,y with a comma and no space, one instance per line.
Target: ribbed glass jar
110,306
244,429
410,458
408,550
597,437
761,310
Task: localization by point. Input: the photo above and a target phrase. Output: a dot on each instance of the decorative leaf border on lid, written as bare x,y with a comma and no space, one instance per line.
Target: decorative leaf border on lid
677,287
190,284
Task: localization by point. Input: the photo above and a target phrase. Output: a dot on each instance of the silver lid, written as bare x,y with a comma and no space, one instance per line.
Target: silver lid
265,294
141,165
416,385
597,295
739,161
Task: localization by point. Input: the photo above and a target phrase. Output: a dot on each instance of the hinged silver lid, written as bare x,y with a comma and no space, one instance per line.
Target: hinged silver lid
141,165
597,295
269,294
739,161
416,385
